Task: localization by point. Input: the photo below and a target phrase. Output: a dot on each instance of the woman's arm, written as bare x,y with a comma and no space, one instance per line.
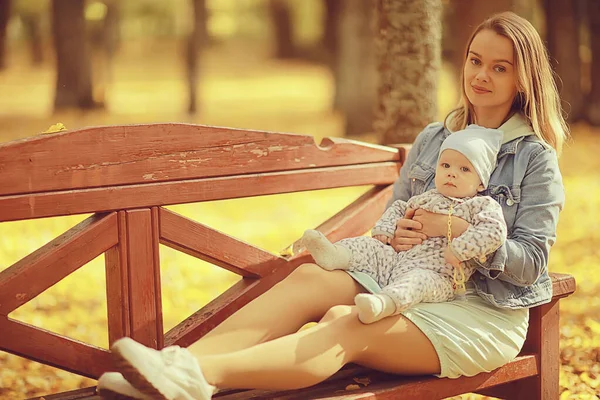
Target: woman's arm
387,223
402,188
524,256
406,234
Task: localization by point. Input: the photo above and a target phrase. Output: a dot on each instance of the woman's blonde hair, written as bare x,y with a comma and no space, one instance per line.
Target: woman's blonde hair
537,96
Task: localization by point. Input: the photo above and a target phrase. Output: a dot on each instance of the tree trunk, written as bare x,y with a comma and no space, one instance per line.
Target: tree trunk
462,18
330,28
106,39
355,73
32,24
73,66
408,55
282,23
4,17
562,35
196,42
593,112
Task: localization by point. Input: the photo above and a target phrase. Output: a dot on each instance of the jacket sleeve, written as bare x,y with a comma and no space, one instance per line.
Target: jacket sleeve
486,233
387,223
524,256
402,188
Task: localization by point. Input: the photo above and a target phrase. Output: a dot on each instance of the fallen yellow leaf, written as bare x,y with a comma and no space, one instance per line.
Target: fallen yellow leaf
55,128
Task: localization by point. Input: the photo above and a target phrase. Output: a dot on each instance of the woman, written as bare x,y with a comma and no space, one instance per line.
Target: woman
507,84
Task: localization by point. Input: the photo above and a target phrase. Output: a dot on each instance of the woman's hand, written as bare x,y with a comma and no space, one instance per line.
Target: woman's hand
418,224
407,232
435,225
382,238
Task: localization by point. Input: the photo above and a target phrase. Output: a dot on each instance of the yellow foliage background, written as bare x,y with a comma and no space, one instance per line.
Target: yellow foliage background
278,96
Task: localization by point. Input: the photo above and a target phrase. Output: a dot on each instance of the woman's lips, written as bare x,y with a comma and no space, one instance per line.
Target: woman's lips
479,89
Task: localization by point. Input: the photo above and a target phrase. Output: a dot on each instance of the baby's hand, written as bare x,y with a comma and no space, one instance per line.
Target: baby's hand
382,238
451,258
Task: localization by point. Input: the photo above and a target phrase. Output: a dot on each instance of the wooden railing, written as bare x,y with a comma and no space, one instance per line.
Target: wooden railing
124,175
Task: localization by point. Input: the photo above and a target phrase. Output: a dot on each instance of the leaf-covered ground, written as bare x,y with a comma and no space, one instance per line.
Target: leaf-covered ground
289,97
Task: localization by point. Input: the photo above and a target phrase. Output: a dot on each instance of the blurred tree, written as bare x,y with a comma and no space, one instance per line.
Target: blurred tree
330,28
408,55
111,34
103,27
73,65
593,111
282,22
563,22
355,72
4,17
195,43
32,16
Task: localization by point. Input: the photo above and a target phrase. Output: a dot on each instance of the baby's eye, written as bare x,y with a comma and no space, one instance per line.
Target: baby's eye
445,165
465,169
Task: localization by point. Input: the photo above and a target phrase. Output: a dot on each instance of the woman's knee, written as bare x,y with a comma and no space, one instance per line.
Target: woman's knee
306,274
338,312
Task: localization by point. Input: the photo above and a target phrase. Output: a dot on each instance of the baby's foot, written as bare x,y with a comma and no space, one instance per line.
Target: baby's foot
373,307
327,255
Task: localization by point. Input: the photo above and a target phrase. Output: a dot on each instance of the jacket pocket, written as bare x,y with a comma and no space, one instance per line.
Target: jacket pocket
509,198
420,177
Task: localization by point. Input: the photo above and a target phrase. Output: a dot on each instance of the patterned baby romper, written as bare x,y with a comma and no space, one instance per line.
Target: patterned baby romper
421,273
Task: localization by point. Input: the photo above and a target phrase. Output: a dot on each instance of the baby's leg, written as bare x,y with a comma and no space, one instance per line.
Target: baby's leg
363,254
327,255
415,286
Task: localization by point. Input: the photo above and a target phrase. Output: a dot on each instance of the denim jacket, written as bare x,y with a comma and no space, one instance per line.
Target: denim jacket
528,185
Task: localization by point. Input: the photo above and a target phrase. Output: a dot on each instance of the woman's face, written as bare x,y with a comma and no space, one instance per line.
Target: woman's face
490,78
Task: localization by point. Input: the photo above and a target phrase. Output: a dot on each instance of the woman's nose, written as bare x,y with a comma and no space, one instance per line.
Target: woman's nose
482,75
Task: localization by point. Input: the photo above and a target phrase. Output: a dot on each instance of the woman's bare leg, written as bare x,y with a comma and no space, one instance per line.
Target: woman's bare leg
310,356
304,296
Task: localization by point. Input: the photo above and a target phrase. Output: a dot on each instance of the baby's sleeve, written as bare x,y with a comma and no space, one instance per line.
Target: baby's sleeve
387,223
486,233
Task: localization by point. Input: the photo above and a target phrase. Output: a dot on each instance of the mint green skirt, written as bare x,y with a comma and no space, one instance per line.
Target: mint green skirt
469,335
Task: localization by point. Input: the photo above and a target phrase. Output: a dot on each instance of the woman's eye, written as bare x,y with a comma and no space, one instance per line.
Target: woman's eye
499,68
475,61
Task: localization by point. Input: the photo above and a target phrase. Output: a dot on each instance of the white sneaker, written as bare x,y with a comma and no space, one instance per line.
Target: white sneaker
172,373
113,386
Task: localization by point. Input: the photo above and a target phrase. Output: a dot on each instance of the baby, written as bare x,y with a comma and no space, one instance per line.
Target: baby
427,272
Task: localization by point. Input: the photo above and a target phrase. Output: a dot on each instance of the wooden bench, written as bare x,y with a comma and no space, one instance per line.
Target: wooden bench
124,175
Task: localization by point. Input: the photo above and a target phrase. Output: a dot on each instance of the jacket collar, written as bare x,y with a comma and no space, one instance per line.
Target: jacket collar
515,129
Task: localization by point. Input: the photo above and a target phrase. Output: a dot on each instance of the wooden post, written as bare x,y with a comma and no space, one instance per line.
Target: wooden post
543,340
117,285
133,280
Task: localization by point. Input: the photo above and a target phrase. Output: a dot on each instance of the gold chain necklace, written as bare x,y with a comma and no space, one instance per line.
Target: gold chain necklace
458,274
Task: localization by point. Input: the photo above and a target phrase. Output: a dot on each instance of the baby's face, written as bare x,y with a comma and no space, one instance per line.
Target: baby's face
455,175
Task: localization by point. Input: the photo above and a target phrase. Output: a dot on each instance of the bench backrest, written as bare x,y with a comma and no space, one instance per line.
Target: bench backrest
123,175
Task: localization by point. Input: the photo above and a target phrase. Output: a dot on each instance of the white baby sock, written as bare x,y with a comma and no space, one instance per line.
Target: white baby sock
327,255
373,307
